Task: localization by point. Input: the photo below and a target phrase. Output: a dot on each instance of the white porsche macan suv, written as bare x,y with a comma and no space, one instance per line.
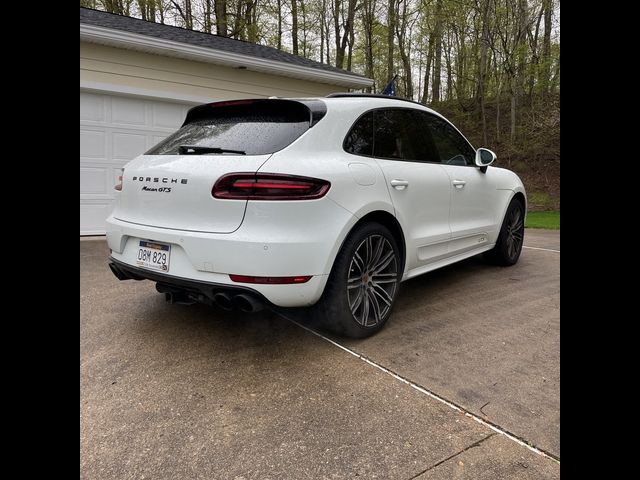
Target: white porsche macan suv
330,202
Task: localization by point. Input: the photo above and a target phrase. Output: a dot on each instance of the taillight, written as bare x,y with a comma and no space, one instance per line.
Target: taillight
119,185
268,186
270,280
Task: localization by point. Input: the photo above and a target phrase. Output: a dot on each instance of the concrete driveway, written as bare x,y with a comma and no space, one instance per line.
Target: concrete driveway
461,380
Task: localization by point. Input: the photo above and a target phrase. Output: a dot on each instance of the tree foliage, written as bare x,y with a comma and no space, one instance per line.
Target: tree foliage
496,61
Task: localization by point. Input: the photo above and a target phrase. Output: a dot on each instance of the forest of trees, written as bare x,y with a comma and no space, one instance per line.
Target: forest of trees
494,65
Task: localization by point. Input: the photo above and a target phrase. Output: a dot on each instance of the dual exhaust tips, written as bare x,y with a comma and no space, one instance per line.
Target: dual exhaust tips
243,302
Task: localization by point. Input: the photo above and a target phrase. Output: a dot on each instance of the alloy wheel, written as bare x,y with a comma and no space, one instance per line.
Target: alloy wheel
515,233
372,281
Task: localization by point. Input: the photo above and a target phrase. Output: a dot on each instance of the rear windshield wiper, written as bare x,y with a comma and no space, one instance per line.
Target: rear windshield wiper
197,150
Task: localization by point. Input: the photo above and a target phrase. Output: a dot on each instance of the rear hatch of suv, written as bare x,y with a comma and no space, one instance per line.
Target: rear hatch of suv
170,186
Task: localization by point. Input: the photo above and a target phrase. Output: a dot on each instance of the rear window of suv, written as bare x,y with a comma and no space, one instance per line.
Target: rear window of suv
254,127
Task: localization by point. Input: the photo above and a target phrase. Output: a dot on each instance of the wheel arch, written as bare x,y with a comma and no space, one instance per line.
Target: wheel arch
387,219
518,195
521,198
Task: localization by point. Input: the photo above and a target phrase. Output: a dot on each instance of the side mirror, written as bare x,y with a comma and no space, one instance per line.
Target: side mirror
484,158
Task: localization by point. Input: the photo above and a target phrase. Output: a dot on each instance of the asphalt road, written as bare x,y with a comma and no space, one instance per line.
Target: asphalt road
170,391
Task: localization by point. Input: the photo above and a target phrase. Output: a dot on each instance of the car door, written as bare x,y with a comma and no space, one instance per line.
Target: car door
474,198
419,187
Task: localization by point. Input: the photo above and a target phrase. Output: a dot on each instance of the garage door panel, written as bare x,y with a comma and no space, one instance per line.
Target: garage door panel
93,180
92,107
92,143
167,115
114,130
128,145
128,111
93,216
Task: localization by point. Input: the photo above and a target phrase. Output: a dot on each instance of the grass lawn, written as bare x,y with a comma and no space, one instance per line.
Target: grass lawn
549,220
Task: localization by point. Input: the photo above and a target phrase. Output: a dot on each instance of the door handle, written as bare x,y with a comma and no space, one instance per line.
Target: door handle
459,183
399,184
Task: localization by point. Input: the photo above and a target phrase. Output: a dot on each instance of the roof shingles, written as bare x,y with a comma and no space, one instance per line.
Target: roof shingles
168,32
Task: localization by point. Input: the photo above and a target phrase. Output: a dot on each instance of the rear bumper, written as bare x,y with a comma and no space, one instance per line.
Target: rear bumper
126,272
281,243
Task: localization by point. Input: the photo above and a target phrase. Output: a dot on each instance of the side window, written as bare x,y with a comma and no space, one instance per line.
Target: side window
359,140
452,148
398,136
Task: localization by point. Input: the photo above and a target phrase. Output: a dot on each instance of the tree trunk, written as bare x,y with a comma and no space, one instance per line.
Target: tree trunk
535,58
336,26
303,10
322,14
460,61
207,16
437,67
427,70
521,47
391,20
221,17
484,47
115,6
249,21
350,43
161,12
147,10
294,25
237,32
401,33
447,55
514,96
368,18
151,10
546,47
498,110
188,12
279,24
327,38
341,41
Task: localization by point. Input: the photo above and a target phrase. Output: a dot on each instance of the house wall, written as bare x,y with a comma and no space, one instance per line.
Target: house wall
101,64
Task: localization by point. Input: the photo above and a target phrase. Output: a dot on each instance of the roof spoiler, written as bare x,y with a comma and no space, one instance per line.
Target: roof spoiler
316,109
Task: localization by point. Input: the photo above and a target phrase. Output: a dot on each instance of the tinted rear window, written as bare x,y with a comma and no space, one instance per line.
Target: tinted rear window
359,140
255,127
391,133
398,136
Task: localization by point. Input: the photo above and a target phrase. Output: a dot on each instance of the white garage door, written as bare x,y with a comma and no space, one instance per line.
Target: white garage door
113,130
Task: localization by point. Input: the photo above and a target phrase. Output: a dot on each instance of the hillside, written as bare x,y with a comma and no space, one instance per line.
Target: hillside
535,152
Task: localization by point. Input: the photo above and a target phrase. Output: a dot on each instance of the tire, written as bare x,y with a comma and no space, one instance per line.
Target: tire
355,303
509,245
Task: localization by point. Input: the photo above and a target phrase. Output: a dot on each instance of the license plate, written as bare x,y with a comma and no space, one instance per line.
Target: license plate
154,255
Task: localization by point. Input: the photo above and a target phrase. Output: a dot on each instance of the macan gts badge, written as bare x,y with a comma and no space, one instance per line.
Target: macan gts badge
327,203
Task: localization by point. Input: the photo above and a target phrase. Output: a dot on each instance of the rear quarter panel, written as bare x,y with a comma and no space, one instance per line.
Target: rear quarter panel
357,183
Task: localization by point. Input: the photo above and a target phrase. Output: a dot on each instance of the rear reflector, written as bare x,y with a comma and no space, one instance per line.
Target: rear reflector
268,186
270,280
118,187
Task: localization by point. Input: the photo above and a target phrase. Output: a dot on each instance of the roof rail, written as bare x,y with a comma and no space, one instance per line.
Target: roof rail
370,95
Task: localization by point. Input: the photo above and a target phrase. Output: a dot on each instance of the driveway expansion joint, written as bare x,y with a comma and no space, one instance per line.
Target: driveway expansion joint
460,409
